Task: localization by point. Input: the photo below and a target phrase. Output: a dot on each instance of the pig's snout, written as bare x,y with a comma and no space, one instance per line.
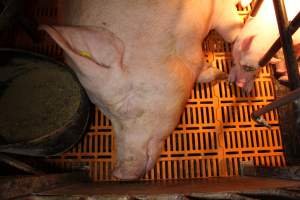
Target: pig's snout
242,79
241,83
138,162
130,169
131,160
246,82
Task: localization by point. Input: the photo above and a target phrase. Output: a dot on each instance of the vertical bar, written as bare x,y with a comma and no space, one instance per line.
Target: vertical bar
176,169
293,27
256,8
289,56
287,44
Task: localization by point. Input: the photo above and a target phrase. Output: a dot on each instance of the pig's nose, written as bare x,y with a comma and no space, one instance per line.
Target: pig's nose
117,173
130,169
241,83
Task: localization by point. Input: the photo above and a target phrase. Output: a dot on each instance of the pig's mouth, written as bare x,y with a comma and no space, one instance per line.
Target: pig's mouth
243,76
248,68
128,170
138,166
133,172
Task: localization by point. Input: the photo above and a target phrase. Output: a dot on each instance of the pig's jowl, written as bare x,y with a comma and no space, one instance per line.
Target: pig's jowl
138,61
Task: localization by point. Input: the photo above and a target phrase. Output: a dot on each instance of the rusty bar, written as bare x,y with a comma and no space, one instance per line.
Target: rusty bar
292,28
290,97
256,8
134,189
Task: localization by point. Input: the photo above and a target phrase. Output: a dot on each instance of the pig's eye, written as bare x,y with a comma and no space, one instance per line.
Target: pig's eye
248,68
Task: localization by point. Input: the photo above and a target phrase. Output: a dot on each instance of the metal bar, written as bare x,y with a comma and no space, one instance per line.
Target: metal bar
9,160
292,28
154,189
291,63
290,97
256,8
289,56
287,44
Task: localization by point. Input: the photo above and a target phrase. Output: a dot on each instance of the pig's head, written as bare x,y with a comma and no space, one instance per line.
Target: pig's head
137,102
252,43
245,63
249,47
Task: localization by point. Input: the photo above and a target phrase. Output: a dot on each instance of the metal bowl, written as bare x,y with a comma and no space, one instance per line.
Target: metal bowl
43,108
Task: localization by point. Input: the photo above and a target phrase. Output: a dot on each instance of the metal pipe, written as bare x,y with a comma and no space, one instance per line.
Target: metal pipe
287,44
291,63
289,56
292,28
290,97
256,8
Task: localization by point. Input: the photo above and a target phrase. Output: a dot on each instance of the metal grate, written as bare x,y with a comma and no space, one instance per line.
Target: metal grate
215,133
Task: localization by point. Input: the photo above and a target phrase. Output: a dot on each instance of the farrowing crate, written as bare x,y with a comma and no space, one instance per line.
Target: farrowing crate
214,136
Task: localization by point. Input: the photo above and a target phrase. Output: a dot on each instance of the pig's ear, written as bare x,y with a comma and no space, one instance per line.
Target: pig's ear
246,43
88,45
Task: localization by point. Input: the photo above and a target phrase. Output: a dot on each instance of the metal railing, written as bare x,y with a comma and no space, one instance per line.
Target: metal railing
285,41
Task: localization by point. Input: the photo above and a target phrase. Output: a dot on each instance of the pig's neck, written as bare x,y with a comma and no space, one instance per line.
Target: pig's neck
150,30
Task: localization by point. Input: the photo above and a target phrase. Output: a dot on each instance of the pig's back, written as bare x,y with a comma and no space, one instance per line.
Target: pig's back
150,29
129,18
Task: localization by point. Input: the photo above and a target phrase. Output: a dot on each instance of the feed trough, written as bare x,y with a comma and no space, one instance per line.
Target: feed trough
43,109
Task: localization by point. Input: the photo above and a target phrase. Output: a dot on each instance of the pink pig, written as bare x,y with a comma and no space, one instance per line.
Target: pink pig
256,37
138,61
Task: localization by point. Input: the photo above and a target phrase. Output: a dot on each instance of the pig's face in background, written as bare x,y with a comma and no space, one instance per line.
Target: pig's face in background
255,39
245,65
250,46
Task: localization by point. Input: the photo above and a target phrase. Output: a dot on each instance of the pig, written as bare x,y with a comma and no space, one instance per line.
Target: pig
138,61
255,39
280,65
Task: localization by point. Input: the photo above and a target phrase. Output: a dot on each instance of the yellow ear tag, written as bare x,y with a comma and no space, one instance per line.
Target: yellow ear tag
85,54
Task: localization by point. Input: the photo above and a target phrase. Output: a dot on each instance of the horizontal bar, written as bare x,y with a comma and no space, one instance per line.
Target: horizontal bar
290,97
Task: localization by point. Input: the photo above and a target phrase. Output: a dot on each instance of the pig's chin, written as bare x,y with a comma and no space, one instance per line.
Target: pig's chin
246,81
128,176
242,78
130,171
137,166
245,85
